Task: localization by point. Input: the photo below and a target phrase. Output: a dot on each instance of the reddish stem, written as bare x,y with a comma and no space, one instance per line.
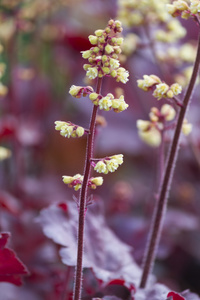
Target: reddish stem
160,208
83,197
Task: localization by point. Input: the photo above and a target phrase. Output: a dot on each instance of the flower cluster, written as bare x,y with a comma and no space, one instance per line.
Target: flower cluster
68,129
108,164
130,44
184,9
103,57
162,90
150,131
135,13
77,180
80,91
147,82
109,102
102,61
173,31
177,55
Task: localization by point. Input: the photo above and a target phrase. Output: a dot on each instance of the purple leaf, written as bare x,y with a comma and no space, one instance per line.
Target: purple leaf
107,298
155,292
190,296
174,296
105,254
11,268
180,220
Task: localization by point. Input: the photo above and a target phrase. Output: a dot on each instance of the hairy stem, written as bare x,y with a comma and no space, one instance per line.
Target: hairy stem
83,198
160,208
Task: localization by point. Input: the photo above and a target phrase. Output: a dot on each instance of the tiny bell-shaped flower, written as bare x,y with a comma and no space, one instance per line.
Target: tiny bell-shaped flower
86,54
152,137
148,81
93,39
106,102
195,6
143,125
80,131
75,181
67,129
78,91
122,75
101,167
109,164
168,112
109,49
74,90
92,73
176,89
160,90
119,105
95,181
186,127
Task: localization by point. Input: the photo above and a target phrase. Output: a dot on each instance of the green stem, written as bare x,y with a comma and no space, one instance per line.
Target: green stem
160,208
83,198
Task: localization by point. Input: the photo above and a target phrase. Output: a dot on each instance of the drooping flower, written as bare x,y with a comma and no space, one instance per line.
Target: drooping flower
109,164
67,129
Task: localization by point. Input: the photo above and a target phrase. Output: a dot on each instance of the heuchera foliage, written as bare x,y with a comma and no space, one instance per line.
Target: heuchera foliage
11,268
105,254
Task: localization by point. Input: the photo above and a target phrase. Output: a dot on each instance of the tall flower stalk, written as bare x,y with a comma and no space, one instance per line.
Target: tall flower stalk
177,8
102,62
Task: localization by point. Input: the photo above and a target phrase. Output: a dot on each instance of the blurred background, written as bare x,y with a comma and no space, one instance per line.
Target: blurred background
40,59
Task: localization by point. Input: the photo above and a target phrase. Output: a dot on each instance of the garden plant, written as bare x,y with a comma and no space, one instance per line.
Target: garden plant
123,223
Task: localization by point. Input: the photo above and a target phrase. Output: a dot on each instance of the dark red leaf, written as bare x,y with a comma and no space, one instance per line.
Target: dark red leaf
63,206
107,298
122,282
175,296
11,268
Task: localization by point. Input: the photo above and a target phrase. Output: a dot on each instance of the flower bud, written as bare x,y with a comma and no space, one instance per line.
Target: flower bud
101,167
86,66
120,41
80,131
99,32
68,179
93,39
152,137
186,127
106,70
74,90
109,49
97,180
176,88
4,153
59,124
93,96
168,111
92,73
143,125
113,73
170,94
86,54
